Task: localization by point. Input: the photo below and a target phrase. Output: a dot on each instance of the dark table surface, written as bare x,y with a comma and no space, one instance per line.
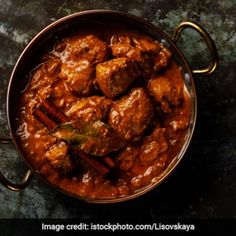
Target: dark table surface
204,185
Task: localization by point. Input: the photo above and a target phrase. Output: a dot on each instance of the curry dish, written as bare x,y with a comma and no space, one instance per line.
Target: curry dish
104,114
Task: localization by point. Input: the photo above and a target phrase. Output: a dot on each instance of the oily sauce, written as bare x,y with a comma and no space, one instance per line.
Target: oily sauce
125,103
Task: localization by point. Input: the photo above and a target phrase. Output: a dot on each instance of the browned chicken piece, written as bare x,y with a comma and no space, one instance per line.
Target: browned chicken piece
86,47
153,146
167,89
116,75
58,156
90,109
130,115
79,76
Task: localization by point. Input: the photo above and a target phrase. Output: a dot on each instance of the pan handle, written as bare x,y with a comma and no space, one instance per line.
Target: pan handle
11,186
210,44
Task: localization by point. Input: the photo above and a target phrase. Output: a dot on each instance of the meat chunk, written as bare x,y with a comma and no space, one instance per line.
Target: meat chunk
79,55
101,140
52,66
162,59
179,120
147,45
58,156
121,45
90,109
95,138
180,123
86,47
79,76
153,146
116,75
153,149
130,115
43,81
127,157
150,55
167,89
134,47
61,95
46,74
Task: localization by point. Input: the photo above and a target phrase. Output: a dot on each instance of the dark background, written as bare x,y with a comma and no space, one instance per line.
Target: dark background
203,185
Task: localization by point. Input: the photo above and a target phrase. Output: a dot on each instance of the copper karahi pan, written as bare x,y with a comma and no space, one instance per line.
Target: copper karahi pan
48,36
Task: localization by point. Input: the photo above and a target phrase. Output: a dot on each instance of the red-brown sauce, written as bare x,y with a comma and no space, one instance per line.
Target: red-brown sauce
119,99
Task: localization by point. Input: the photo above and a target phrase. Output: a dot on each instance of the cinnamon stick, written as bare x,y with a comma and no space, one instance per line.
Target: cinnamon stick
54,112
44,119
49,115
109,161
97,165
